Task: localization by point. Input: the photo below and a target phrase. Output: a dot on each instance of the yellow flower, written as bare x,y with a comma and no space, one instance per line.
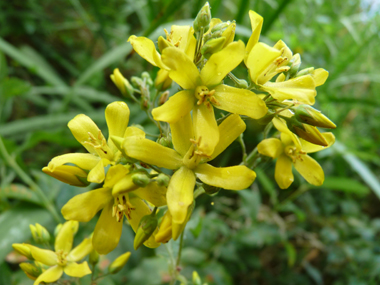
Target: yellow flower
292,150
181,37
265,62
203,90
64,258
101,152
115,199
188,162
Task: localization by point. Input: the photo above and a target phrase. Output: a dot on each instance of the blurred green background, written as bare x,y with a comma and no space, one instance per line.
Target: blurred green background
55,61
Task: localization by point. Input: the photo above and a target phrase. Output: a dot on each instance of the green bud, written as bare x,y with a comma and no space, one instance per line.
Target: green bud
136,81
23,250
212,46
267,118
122,83
162,180
165,141
141,179
39,233
147,226
31,270
308,115
148,80
202,21
196,279
295,64
93,257
210,190
306,132
221,27
119,263
306,71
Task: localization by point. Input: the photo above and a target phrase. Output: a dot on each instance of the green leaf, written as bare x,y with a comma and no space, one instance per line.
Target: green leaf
291,252
251,201
344,184
14,225
10,87
267,184
5,276
3,66
20,192
30,59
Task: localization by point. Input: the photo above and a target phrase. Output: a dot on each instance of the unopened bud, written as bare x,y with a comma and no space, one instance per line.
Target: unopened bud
165,141
69,174
146,76
212,46
136,81
202,21
196,279
93,257
39,233
141,179
306,132
23,250
122,83
31,270
145,104
162,180
308,115
163,98
57,229
119,263
306,71
210,190
147,226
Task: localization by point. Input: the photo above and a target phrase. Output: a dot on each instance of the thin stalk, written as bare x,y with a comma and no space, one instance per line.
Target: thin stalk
244,150
29,181
180,250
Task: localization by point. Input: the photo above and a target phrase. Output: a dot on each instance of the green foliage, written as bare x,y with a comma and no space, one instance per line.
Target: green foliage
55,62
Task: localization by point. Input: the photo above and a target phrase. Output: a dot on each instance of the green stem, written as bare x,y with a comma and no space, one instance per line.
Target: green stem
180,249
200,190
251,158
244,150
29,181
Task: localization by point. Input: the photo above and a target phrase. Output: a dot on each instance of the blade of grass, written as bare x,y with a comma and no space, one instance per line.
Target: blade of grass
272,18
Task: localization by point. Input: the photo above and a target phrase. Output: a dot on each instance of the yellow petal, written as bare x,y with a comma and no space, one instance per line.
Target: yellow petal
81,250
231,178
180,193
182,132
222,62
124,185
310,170
114,174
283,171
152,193
281,126
300,88
85,161
50,275
147,50
68,174
77,270
229,34
152,153
320,76
44,256
164,233
260,57
107,231
178,106
134,132
206,129
117,117
182,69
82,127
65,237
140,210
185,36
309,147
97,174
229,130
240,101
83,207
270,147
256,24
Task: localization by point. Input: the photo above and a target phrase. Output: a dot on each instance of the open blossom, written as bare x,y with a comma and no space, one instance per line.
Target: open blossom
64,258
189,162
291,150
89,167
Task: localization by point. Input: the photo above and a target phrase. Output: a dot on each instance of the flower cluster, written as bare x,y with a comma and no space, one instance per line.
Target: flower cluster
143,179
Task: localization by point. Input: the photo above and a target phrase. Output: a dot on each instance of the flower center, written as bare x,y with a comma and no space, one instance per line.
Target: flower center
61,257
169,38
293,153
122,206
194,156
205,96
100,145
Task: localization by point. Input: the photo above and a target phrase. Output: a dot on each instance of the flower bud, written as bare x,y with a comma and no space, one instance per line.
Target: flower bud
295,64
196,279
23,250
31,270
69,174
39,233
119,263
305,71
212,46
136,81
308,115
146,76
164,97
93,258
165,141
162,180
306,132
57,229
141,179
122,83
210,190
202,21
147,226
